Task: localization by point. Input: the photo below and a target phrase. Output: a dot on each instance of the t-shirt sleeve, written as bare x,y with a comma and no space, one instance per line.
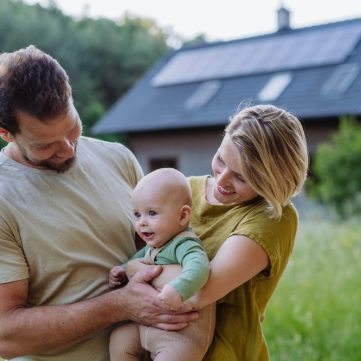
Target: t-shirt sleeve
132,167
13,263
276,237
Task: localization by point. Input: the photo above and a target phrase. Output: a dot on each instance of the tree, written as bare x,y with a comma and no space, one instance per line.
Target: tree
337,170
103,58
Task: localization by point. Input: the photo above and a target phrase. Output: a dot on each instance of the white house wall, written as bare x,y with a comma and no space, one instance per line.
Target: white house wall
193,149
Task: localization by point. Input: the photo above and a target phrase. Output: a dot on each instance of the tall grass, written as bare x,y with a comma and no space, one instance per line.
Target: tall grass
315,314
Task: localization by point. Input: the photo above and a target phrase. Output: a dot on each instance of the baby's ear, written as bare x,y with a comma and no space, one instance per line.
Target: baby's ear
185,215
6,135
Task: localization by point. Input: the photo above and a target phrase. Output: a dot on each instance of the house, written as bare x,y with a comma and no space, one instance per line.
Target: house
174,116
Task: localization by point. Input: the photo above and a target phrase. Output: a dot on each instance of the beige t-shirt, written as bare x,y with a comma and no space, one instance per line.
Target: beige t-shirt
238,335
64,232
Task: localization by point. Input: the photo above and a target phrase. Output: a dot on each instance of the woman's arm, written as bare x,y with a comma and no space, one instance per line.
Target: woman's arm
238,260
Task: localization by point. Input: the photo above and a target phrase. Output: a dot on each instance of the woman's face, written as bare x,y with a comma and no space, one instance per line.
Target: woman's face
228,186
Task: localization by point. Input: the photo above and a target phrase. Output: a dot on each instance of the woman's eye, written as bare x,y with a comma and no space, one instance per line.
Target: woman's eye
240,178
152,213
220,159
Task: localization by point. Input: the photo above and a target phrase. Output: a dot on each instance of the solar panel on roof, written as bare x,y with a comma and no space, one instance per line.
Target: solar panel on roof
315,47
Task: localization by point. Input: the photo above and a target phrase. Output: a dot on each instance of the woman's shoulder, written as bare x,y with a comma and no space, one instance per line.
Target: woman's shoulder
197,180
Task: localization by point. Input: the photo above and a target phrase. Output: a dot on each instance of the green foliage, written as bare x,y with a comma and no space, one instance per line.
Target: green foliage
314,314
337,170
102,57
199,39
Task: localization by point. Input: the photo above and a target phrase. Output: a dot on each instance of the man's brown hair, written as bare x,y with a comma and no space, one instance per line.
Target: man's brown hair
33,82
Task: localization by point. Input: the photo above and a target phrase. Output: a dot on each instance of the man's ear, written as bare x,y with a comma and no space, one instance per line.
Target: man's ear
6,135
185,215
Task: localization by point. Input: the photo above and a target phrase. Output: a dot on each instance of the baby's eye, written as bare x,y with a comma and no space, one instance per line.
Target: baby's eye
152,213
136,215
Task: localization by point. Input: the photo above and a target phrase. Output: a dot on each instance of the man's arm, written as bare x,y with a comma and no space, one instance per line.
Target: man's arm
28,330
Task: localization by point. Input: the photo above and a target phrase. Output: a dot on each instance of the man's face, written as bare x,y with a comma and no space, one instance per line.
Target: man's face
47,145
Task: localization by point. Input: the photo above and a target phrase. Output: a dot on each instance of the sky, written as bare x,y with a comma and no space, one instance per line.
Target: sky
218,20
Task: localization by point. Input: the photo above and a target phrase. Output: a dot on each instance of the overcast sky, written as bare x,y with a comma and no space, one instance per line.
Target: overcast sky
218,20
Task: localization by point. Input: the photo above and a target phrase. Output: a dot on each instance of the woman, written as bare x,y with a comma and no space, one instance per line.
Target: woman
244,217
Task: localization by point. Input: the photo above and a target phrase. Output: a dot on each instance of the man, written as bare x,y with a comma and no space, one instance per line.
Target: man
65,220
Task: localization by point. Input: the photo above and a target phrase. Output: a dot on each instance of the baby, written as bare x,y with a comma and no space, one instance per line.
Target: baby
162,203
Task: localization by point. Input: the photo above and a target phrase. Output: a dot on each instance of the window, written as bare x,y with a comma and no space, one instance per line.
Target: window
157,163
274,87
341,79
202,95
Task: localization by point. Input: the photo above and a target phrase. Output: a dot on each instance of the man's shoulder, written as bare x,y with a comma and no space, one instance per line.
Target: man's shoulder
110,154
104,148
94,142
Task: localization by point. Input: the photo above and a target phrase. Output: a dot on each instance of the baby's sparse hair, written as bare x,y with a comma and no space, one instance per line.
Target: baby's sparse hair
171,182
273,153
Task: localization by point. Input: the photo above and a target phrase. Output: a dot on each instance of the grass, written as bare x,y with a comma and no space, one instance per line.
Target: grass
315,313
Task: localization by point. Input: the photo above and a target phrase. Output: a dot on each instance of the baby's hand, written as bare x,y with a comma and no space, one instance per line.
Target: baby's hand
117,276
171,297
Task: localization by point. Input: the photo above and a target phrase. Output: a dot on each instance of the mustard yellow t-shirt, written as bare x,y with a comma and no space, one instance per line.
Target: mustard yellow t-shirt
238,335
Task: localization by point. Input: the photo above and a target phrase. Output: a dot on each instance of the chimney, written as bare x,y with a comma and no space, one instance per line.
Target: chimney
283,19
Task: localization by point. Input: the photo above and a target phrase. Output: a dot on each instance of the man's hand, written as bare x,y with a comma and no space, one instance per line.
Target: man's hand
144,306
171,297
117,276
135,265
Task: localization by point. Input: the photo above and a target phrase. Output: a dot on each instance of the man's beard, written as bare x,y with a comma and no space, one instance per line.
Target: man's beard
47,163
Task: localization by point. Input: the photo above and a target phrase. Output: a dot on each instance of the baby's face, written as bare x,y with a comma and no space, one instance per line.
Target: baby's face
156,219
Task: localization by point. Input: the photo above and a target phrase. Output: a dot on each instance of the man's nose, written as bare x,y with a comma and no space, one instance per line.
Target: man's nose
67,149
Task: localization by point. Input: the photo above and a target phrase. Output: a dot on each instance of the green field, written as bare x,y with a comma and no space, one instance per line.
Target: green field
315,314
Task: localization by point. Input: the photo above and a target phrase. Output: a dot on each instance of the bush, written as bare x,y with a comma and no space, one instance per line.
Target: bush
337,170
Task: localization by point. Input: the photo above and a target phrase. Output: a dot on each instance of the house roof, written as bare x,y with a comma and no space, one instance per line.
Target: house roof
315,72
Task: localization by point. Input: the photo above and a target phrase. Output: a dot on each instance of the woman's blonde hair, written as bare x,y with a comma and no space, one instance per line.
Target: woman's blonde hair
273,152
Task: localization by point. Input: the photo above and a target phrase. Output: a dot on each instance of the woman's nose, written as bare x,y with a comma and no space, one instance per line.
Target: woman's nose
223,177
